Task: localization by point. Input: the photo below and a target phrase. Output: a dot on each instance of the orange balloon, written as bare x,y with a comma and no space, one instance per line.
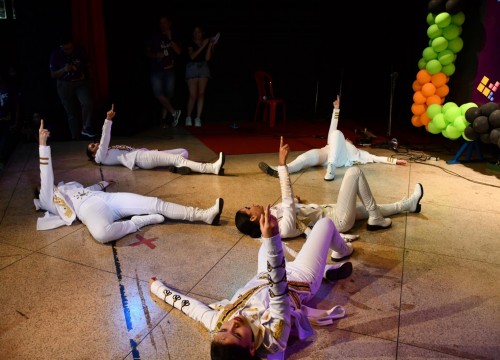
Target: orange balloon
415,120
416,86
433,99
442,91
439,79
424,118
428,89
419,98
418,109
423,77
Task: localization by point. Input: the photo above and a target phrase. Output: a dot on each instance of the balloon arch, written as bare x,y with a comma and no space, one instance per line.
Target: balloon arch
468,121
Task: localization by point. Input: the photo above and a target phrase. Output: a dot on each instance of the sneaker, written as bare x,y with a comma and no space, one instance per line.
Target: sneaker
335,272
330,172
219,164
176,115
145,220
339,256
88,133
197,122
268,169
182,170
189,122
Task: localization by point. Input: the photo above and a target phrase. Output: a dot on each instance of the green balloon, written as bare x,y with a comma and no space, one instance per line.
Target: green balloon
422,63
430,19
451,114
467,106
429,53
433,66
451,32
453,132
455,45
431,127
434,31
458,18
449,105
443,19
440,43
433,110
460,123
449,69
446,57
439,121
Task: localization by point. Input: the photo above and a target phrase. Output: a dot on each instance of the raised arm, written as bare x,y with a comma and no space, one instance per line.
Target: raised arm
334,122
278,324
46,172
288,221
102,151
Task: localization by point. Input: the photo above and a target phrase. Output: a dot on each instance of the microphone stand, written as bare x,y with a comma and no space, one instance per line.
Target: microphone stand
394,76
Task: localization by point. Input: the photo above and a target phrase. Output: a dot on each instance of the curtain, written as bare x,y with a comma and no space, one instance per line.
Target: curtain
89,31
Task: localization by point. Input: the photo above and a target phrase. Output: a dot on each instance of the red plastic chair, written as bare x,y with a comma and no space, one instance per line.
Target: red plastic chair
267,103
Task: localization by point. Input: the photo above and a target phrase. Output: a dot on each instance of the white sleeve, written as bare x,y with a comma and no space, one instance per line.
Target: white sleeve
193,308
46,195
102,152
288,222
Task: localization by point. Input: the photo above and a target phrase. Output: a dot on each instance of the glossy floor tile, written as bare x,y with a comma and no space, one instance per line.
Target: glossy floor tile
427,288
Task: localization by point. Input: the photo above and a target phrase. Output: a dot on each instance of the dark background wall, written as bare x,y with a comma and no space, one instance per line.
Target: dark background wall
314,49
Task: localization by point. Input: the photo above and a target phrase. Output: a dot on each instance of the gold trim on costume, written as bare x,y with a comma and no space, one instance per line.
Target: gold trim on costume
60,201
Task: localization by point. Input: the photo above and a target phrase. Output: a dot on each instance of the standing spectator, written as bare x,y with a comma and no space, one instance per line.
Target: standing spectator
162,49
200,51
70,66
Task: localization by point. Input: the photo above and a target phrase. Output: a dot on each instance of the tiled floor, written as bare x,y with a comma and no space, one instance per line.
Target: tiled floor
428,288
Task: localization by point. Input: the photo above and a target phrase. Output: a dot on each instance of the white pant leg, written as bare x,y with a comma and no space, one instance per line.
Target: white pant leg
310,158
346,210
153,159
310,262
337,154
179,151
101,220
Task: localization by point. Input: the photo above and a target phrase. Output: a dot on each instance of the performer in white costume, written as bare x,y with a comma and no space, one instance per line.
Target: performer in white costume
102,212
175,160
261,315
338,152
296,218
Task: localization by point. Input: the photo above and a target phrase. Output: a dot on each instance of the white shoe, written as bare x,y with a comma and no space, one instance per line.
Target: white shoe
176,115
330,172
189,122
214,213
219,164
335,272
412,204
378,223
197,122
145,220
343,254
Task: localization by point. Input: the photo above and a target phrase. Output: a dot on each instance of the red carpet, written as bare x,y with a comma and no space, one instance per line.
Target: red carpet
301,136
254,139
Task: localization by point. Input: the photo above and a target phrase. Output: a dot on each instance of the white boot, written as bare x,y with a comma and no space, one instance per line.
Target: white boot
211,215
189,122
412,204
218,166
330,172
376,220
342,252
197,122
145,220
337,271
